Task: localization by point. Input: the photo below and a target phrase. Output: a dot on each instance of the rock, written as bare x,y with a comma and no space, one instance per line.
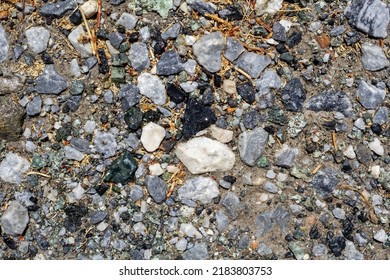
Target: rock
139,56
76,87
266,86
330,100
293,95
380,236
50,82
285,158
363,154
279,32
34,106
37,38
376,147
83,49
127,20
201,155
382,116
222,135
297,250
281,216
264,250
349,152
73,154
296,124
136,192
176,94
169,64
133,118
270,187
172,32
89,127
247,92
233,49
374,59
222,221
325,181
98,217
198,252
152,87
319,250
201,7
263,224
370,96
229,86
338,213
337,30
129,95
152,135
199,189
371,17
11,84
156,187
197,117
269,7
251,119
13,167
58,9
162,7
208,49
105,143
253,63
232,204
122,170
4,45
190,231
15,219
251,145
89,8
80,144
351,253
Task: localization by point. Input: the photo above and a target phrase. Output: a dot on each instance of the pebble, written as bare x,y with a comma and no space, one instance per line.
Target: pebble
253,63
98,217
338,213
57,9
349,152
351,253
136,192
264,250
152,87
376,147
293,95
270,187
11,120
83,49
129,21
285,158
220,134
229,86
363,154
268,7
232,204
380,236
279,32
105,143
11,84
247,91
122,170
370,96
139,56
15,219
80,144
251,145
337,30
37,38
172,32
199,189
198,252
13,167
374,59
152,136
382,116
325,181
201,155
75,68
208,49
4,46
319,250
297,250
190,231
329,101
251,119
181,244
73,154
129,95
233,49
50,82
197,117
156,187
34,106
169,64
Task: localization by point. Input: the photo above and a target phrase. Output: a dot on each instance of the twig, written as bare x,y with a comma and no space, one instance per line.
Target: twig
316,169
38,173
98,17
245,74
334,140
88,31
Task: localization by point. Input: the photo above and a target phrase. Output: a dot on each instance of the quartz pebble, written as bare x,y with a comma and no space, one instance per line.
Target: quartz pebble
152,135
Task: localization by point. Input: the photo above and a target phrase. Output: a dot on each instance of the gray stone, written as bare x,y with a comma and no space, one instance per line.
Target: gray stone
11,84
73,154
297,250
263,224
201,7
337,30
270,187
4,45
382,116
152,87
363,154
351,253
208,49
13,167
127,20
233,49
76,87
198,252
325,181
374,59
83,49
371,17
136,192
129,95
172,224
172,32
264,250
251,145
34,106
75,68
139,56
370,96
243,243
58,9
169,64
281,216
380,236
338,213
360,239
222,221
285,158
108,97
80,144
319,250
105,143
37,38
15,219
266,85
156,187
199,189
98,217
50,82
251,119
253,63
232,204
293,95
116,39
279,32
329,101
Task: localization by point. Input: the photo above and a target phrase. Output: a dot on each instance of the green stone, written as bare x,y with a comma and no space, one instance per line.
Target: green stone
133,118
122,170
262,162
63,132
276,115
301,173
162,7
119,59
384,180
39,161
118,75
124,47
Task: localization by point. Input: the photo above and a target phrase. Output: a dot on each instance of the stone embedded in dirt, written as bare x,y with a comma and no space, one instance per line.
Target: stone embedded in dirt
251,119
325,181
263,224
208,49
232,204
122,170
89,8
133,118
222,220
176,94
268,7
363,154
152,87
37,38
198,189
222,135
152,135
4,46
198,252
129,21
253,63
169,64
376,147
105,143
202,7
281,216
156,187
371,17
58,9
197,117
381,116
251,145
11,120
172,32
129,95
50,82
233,49
329,101
139,56
34,107
285,158
370,96
293,95
279,32
374,59
15,219
266,86
73,154
83,48
13,167
80,144
231,13
201,155
247,91
11,84
188,229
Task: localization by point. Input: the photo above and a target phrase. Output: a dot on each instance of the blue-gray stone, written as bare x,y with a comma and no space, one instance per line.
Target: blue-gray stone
198,252
286,157
331,100
281,216
251,145
34,106
264,250
337,30
169,64
50,82
325,181
136,192
156,187
374,59
127,20
116,39
251,119
232,204
293,95
382,116
98,217
139,56
279,32
233,49
81,144
37,38
58,9
129,95
15,219
76,87
3,44
172,32
222,221
208,49
370,96
253,63
263,224
270,187
201,7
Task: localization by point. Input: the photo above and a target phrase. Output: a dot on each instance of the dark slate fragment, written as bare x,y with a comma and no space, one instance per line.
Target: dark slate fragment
279,32
202,7
169,64
363,154
74,214
116,39
76,18
330,100
293,95
58,9
73,102
251,119
117,2
197,117
247,91
230,13
129,95
133,118
104,68
294,39
50,82
122,169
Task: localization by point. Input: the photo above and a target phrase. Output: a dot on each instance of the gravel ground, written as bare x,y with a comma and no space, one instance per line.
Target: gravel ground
190,129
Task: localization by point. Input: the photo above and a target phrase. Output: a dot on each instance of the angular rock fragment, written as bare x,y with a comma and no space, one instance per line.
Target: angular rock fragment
199,189
370,96
83,48
11,84
50,82
196,118
37,38
251,145
152,135
233,49
208,49
58,9
13,167
139,56
329,101
15,219
293,95
325,181
4,45
374,59
152,87
169,64
156,187
122,170
11,120
253,63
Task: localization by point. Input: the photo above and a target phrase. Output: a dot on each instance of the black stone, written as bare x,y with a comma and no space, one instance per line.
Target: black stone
73,103
294,39
314,233
10,242
46,58
217,81
175,94
230,13
293,95
133,37
102,34
104,68
116,2
74,214
279,32
202,8
347,229
101,189
336,245
330,100
152,116
122,170
76,18
287,57
281,48
247,91
196,118
230,179
133,118
377,129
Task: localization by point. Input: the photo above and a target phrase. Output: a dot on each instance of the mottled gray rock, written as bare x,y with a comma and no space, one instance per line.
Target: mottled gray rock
266,86
80,144
136,192
371,17
202,7
351,253
105,143
370,96
263,224
58,9
13,167
232,204
162,7
73,154
169,64
330,100
11,84
98,217
11,120
293,95
251,119
337,30
198,252
319,250
279,32
325,181
208,49
34,106
127,20
285,158
251,145
374,59
156,187
129,95
381,116
83,49
297,250
264,250
37,38
270,187
50,82
233,49
338,213
222,220
152,87
15,219
4,45
253,63
199,189
139,56
172,32
380,236
281,216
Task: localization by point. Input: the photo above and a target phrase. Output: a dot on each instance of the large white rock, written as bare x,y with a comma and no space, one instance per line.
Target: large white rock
202,154
12,168
376,147
199,189
269,7
37,38
152,135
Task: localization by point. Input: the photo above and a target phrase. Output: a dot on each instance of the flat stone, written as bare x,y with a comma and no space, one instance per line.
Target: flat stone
37,38
382,116
232,204
11,84
268,7
13,167
233,49
199,189
139,56
11,120
105,143
266,86
129,21
253,63
34,106
152,135
370,96
279,32
371,17
169,64
264,250
89,8
351,253
4,45
129,95
297,250
293,95
263,224
220,134
156,187
338,213
198,252
363,154
285,158
80,144
172,32
380,236
15,219
83,49
116,39
50,82
247,91
197,117
251,145
122,170
152,87
374,59
73,154
325,181
222,220
208,49
329,101
376,147
98,217
251,119
270,187
201,155
58,9
136,192
162,7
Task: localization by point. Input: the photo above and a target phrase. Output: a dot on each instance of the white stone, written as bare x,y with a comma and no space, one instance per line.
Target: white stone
152,87
286,24
172,169
269,7
375,171
202,154
376,147
37,38
89,127
222,135
229,86
152,135
349,152
73,154
78,192
89,8
380,236
83,49
155,169
12,168
190,231
199,189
